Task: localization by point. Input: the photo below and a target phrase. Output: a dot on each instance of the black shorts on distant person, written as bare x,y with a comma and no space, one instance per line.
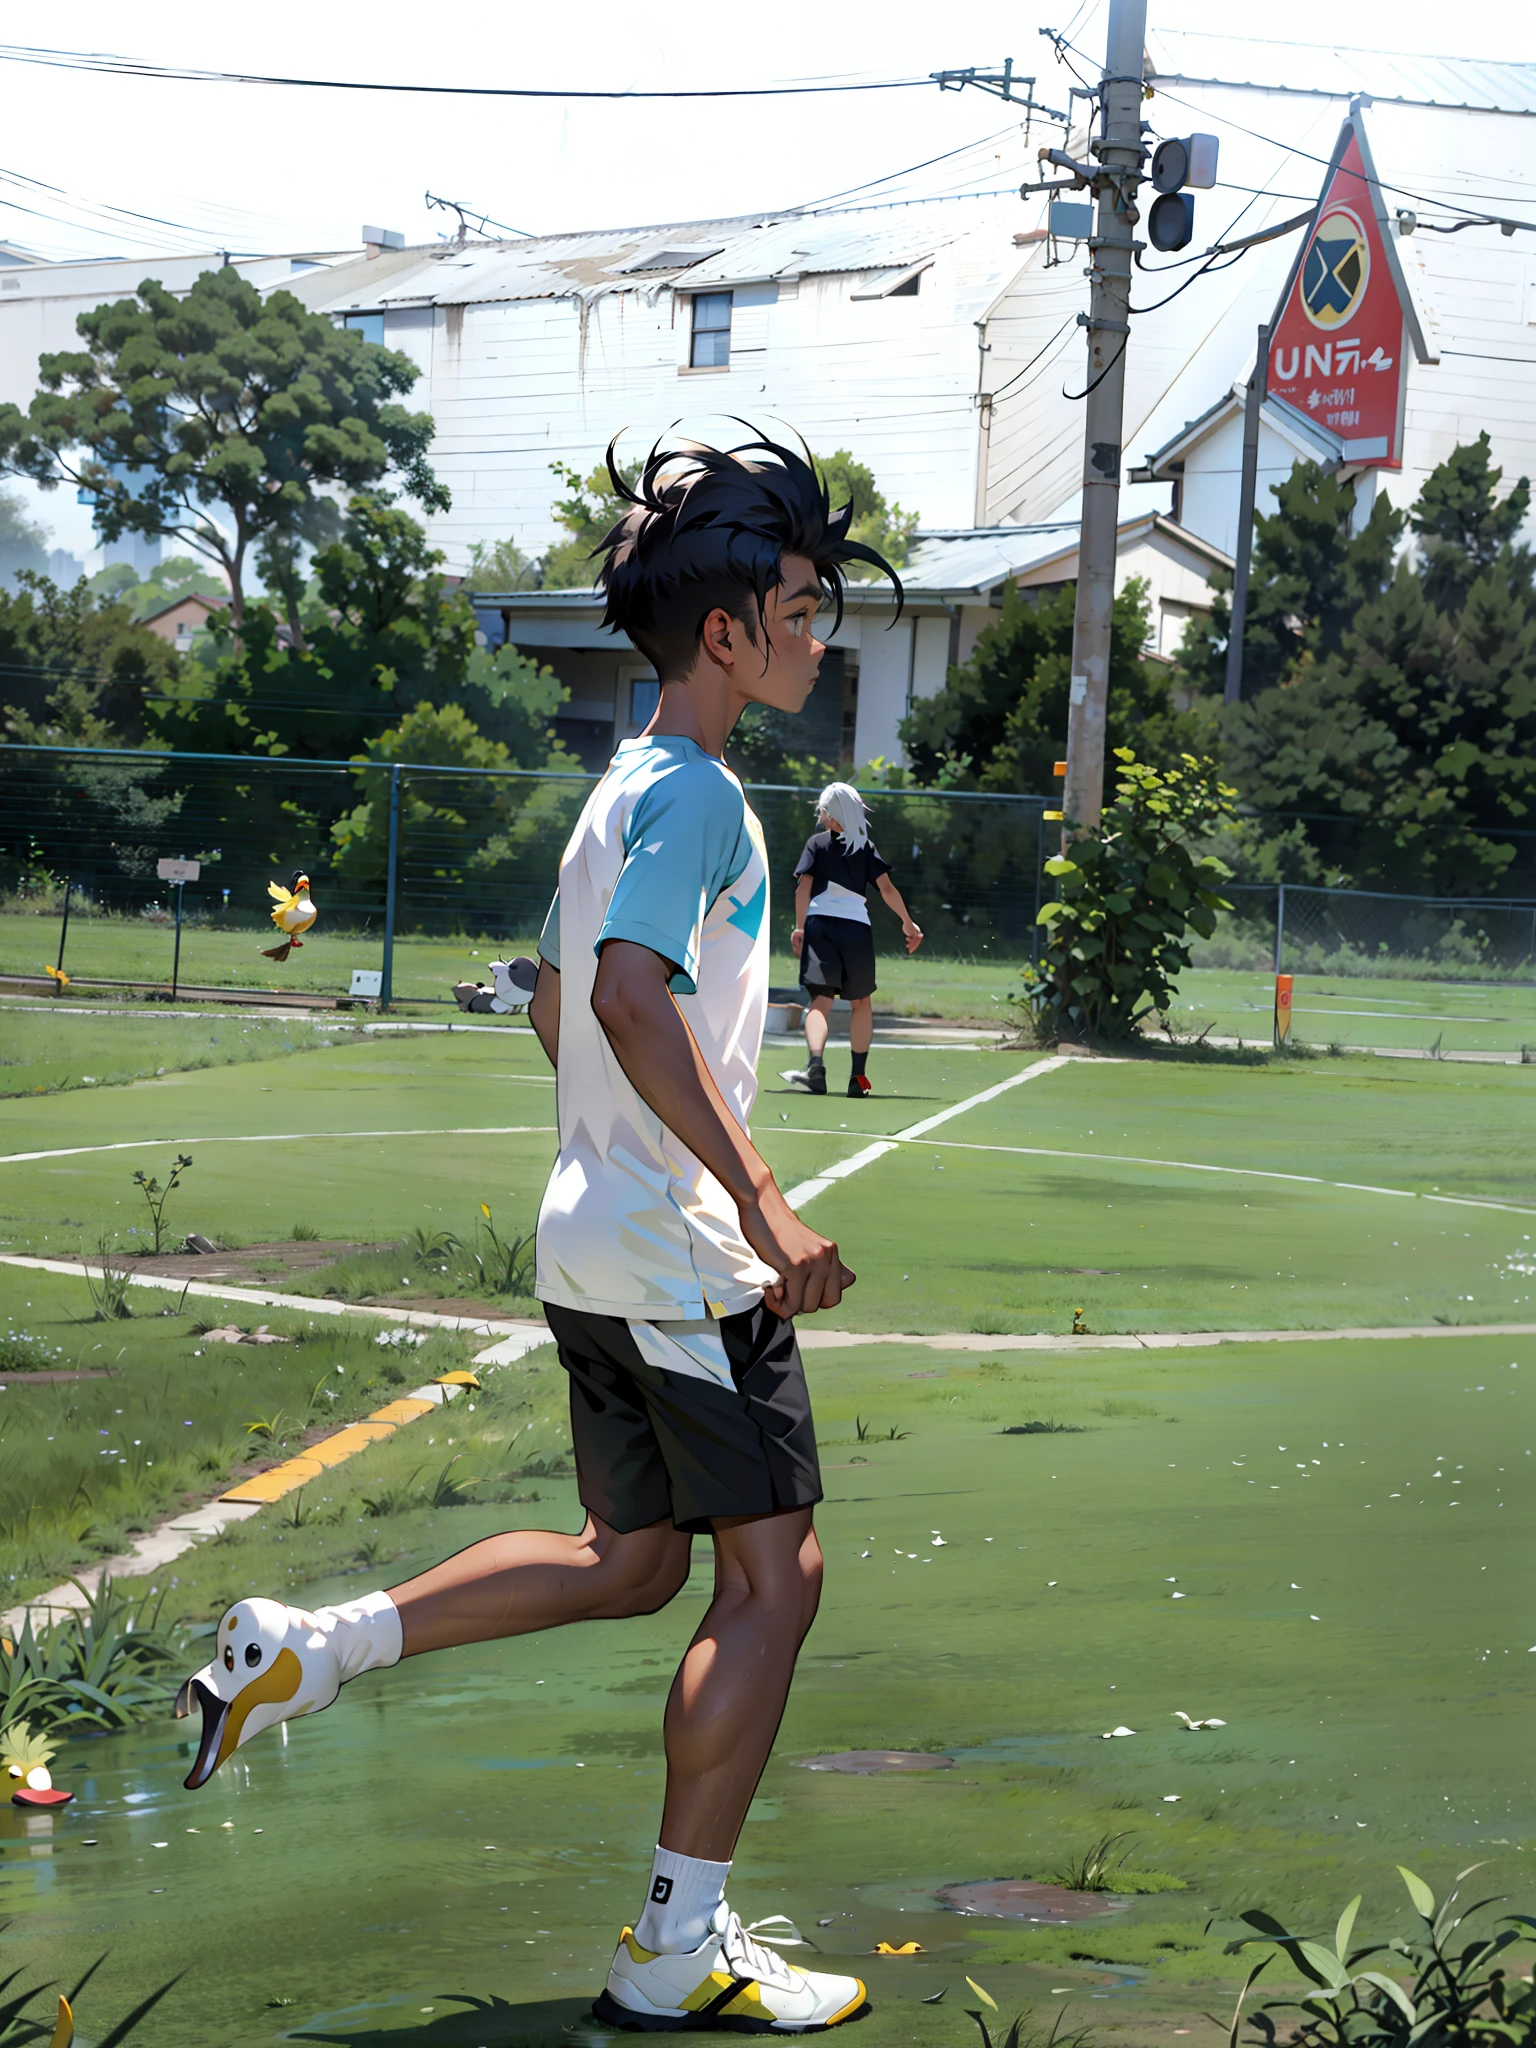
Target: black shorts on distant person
653,1445
837,958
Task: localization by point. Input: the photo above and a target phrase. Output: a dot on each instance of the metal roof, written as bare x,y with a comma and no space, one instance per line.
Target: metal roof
1184,57
748,248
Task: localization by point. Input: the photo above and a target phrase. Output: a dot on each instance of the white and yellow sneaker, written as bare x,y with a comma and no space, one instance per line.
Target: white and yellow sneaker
272,1662
730,1983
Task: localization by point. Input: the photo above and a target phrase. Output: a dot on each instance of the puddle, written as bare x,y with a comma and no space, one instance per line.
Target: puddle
865,1762
1016,1898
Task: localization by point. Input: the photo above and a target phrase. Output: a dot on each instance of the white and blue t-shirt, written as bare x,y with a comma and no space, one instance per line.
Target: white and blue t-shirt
666,854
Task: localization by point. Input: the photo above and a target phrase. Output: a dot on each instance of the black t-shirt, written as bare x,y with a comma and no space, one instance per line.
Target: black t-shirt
827,859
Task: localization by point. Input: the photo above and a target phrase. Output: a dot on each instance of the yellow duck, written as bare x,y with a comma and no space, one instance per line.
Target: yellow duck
24,1773
292,913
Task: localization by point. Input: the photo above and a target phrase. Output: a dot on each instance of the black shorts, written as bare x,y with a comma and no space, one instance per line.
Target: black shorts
837,958
653,1445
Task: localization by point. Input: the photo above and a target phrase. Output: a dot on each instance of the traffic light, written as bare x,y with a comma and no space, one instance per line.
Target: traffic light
1177,162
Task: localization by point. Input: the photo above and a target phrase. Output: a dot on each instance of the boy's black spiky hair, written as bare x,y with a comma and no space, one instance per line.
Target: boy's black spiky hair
708,528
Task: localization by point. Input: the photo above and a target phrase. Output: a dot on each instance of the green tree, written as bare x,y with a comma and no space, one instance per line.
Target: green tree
879,525
1462,528
1310,574
220,417
1000,722
23,539
176,577
500,565
75,669
589,508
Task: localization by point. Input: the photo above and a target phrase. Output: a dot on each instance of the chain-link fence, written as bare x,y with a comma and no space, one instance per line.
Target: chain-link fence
414,870
1300,930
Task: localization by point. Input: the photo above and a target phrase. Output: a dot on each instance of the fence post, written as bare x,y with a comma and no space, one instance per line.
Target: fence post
1279,923
58,986
1039,880
392,862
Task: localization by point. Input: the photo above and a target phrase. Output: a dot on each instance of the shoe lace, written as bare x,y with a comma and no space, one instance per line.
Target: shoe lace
748,1958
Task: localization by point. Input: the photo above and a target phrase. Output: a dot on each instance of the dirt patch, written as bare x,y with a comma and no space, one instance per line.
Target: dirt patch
252,1263
866,1762
1016,1898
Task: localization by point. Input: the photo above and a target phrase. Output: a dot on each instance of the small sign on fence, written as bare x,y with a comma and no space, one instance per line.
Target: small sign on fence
367,981
178,870
1282,1008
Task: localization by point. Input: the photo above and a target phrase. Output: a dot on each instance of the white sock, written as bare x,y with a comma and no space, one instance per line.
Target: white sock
365,1633
684,1892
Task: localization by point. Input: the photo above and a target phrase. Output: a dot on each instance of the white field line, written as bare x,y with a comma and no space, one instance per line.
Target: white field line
503,1327
1315,1180
812,1339
283,1138
806,1190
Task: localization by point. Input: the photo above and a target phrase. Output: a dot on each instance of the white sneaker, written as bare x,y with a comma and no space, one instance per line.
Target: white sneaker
273,1662
730,1982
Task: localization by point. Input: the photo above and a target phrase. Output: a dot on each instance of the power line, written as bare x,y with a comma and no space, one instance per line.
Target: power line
127,67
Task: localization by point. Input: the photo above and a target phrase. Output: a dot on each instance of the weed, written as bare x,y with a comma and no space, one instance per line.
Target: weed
1434,1052
868,1434
268,1427
396,1497
1460,1995
431,1247
502,1268
1026,2031
20,1351
109,1287
157,1196
1042,1429
101,1666
303,1233
1095,1869
448,1492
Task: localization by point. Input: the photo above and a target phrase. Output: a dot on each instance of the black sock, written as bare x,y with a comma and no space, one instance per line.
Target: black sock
858,1064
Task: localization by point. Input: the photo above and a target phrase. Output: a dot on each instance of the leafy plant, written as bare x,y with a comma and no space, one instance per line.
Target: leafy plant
21,1351
100,1666
157,1196
1042,1429
395,1497
502,1268
448,1492
1096,1868
431,1247
1132,892
268,1427
1456,1996
109,1287
303,1233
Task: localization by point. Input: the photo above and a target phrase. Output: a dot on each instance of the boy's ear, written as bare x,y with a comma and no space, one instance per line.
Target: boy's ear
715,639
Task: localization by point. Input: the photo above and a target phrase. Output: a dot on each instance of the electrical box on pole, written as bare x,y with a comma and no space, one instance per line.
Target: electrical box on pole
1179,162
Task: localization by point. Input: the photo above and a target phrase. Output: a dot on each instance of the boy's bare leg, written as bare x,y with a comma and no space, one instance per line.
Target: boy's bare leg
818,1022
728,1696
533,1579
861,1026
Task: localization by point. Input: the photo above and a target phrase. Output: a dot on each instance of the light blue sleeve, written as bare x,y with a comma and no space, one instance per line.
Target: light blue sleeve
549,938
686,841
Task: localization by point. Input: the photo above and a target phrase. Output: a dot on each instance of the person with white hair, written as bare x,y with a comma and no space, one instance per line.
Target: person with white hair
833,938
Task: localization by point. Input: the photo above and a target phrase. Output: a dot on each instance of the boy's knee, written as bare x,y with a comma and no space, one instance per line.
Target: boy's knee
640,1584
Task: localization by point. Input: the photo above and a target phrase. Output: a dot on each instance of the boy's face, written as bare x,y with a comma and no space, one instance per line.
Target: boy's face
792,651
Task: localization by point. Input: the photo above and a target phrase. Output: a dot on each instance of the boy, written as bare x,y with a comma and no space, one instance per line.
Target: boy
832,936
669,1263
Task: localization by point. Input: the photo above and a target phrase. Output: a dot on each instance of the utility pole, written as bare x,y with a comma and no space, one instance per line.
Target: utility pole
1120,153
1243,552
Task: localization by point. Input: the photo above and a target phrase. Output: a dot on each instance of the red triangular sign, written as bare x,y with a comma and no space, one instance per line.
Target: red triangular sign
1338,346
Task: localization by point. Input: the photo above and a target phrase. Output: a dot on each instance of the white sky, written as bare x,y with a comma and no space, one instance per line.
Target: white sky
265,168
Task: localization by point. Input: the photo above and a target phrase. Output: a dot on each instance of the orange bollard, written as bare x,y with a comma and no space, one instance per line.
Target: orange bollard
1282,1008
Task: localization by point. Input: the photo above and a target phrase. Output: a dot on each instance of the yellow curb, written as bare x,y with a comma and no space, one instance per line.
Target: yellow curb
332,1450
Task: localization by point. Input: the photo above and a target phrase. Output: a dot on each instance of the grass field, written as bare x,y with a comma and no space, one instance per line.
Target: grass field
1411,1015
474,1828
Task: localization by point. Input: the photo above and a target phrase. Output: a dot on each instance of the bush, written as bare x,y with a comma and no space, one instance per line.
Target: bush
1459,1996
1132,892
100,1667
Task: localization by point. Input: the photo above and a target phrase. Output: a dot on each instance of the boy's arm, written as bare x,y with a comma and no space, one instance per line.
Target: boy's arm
632,1001
802,905
544,1011
892,895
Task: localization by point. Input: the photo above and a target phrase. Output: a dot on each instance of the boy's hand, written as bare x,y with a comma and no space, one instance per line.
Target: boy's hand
912,935
811,1275
797,940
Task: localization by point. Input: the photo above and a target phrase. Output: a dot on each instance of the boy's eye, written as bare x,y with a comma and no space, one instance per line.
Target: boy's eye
797,623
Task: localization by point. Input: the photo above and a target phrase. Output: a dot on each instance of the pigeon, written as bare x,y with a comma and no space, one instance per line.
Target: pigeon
1193,1725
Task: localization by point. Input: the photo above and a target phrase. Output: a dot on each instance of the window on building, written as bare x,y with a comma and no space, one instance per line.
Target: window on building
369,325
711,331
644,696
